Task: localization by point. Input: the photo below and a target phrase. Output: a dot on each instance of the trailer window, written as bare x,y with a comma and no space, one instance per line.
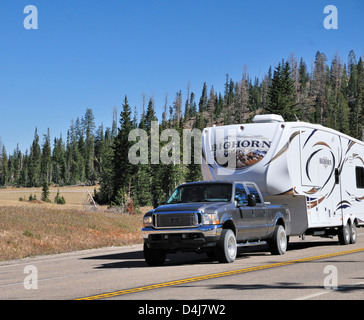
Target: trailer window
359,177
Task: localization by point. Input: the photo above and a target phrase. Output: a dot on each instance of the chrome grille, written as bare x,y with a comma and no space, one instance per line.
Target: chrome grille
173,220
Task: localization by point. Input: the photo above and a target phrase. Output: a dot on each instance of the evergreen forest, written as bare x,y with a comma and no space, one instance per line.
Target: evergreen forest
330,93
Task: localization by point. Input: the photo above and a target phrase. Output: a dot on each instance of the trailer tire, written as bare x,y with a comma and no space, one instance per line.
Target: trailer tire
154,257
226,249
344,234
353,234
278,243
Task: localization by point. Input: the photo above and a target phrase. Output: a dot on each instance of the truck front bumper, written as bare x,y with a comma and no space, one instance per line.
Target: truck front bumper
175,239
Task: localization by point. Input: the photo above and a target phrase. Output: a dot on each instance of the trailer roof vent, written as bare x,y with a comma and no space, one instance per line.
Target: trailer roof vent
268,118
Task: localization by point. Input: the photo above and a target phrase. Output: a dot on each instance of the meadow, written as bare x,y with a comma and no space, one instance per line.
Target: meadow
30,228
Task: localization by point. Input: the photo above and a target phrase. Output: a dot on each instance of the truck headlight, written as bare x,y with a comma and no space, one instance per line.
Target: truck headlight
148,221
210,218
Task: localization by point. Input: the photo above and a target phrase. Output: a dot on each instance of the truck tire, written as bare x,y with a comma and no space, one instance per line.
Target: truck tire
278,243
154,257
353,234
226,249
344,234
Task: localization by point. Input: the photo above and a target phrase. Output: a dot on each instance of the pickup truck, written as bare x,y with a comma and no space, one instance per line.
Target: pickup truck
215,217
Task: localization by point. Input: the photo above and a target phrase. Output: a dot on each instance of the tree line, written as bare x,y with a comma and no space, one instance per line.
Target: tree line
331,94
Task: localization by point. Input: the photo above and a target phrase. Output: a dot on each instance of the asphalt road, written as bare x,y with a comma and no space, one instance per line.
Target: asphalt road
312,269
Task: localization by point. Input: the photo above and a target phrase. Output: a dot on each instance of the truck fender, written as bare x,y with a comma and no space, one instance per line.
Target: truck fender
227,222
279,219
283,220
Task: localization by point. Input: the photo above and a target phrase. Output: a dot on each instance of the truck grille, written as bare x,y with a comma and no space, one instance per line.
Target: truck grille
170,220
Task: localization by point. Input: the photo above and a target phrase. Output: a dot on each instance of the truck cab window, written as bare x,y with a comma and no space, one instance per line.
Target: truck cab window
214,192
253,190
240,195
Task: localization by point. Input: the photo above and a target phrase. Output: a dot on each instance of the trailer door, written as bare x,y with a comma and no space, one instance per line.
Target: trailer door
320,157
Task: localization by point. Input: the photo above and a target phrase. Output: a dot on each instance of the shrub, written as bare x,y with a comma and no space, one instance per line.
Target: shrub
59,199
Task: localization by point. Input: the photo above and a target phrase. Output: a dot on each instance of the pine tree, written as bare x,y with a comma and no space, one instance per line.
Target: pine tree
17,166
219,106
193,107
46,160
58,161
353,99
242,98
187,104
303,75
164,115
202,105
104,165
142,180
45,191
211,105
282,97
23,176
177,108
150,115
343,114
123,170
89,152
34,162
318,86
4,170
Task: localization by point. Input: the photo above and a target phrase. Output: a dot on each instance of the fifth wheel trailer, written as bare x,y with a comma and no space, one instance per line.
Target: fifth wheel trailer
316,172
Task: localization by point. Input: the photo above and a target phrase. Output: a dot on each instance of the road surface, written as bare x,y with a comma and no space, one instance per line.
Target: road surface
311,269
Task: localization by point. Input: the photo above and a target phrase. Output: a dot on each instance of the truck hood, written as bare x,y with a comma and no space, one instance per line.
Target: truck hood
198,206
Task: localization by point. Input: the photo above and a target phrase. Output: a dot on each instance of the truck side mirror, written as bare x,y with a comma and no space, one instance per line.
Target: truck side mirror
252,202
156,203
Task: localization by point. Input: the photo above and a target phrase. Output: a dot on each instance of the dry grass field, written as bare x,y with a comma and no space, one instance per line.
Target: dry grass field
37,228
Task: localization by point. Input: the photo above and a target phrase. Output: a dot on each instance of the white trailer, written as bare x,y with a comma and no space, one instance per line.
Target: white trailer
316,172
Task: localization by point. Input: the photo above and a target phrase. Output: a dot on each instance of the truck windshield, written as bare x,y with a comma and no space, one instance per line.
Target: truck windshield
215,192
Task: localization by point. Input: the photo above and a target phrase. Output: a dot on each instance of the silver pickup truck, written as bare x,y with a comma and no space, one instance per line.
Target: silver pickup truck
215,217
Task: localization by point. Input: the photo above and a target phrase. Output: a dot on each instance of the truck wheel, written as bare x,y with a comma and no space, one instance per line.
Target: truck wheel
344,235
352,233
278,243
154,257
226,248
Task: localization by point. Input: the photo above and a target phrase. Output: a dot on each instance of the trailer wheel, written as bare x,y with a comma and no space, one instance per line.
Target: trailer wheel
226,248
344,234
154,257
353,234
278,243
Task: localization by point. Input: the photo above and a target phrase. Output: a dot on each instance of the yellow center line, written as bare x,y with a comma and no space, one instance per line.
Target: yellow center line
218,275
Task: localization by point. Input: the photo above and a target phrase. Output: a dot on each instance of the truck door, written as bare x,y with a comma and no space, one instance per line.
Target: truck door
251,222
259,226
242,214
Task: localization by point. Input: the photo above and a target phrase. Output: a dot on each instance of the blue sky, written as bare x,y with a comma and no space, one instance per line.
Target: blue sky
90,53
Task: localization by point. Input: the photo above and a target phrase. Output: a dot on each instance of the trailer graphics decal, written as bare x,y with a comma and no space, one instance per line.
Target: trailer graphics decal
313,202
343,205
245,151
285,147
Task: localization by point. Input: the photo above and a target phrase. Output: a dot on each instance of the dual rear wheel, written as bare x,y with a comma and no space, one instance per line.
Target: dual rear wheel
348,234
